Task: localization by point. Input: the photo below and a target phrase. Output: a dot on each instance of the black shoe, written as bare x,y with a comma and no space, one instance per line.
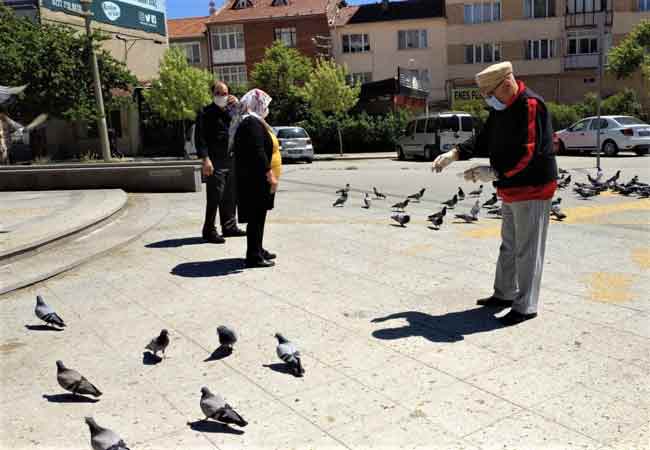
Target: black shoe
214,238
514,317
259,263
268,255
234,232
495,302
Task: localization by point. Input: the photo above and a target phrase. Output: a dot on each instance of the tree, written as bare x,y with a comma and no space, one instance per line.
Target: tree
632,53
327,91
281,73
53,59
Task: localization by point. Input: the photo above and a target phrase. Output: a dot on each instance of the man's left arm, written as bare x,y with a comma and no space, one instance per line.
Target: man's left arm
529,138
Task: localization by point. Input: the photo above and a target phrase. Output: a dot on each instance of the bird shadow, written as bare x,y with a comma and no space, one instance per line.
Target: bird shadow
397,226
149,359
204,269
221,352
42,328
463,222
433,228
449,327
279,368
208,426
173,243
69,398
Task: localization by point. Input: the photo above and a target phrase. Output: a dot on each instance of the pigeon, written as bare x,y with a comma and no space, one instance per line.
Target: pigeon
377,193
473,214
440,213
401,218
344,190
341,200
586,193
215,407
565,183
562,171
159,344
491,201
461,194
595,181
401,205
634,180
44,312
437,221
367,201
557,212
496,212
103,438
227,337
417,196
556,202
74,382
451,203
289,353
477,192
475,209
8,93
615,178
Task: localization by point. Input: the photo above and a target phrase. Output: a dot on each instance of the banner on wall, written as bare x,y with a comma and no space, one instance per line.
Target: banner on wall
145,15
464,94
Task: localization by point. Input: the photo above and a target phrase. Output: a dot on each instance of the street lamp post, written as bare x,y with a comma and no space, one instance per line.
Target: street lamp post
101,115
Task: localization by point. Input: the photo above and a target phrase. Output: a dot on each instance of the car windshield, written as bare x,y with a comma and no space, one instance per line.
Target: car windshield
292,133
627,120
448,123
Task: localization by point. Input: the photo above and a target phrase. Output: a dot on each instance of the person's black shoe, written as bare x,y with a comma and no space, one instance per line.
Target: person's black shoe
494,302
513,318
234,232
214,238
259,263
268,255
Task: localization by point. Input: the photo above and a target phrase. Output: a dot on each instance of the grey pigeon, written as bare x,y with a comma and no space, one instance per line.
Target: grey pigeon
377,193
565,183
341,200
103,438
367,201
473,214
475,209
557,212
345,190
227,337
452,202
215,407
74,382
417,196
586,193
477,192
461,193
556,201
491,201
44,312
562,171
401,218
159,344
595,181
7,93
436,222
615,178
401,205
496,211
440,213
289,353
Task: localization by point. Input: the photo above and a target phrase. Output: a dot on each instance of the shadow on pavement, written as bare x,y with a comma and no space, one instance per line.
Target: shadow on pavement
450,327
69,398
171,243
207,426
216,268
220,353
42,328
149,359
279,367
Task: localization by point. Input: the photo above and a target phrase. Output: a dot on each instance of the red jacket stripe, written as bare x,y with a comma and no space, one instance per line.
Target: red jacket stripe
532,139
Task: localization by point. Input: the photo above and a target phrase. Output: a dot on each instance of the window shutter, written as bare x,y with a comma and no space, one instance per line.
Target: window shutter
527,45
401,40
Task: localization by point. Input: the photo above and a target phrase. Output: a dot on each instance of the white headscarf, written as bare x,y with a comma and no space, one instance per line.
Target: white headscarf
254,103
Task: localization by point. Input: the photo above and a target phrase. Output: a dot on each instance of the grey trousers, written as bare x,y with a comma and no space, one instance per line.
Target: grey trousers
521,255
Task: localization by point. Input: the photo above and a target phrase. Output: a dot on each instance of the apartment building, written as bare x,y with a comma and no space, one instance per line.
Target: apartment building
190,35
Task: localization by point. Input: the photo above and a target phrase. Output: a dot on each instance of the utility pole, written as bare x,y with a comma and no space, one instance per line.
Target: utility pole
602,19
101,115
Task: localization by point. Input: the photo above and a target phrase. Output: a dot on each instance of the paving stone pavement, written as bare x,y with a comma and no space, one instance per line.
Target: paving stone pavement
397,354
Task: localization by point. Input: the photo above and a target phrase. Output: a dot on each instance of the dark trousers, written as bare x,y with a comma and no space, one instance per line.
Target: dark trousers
255,235
220,195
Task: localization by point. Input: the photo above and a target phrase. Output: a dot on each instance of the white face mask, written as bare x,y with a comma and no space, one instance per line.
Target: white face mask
495,103
221,101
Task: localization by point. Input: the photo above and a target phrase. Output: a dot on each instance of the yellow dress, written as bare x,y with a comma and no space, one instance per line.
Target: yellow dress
276,157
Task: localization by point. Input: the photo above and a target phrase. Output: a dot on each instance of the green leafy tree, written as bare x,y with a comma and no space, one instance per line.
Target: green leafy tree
632,53
327,91
54,60
281,73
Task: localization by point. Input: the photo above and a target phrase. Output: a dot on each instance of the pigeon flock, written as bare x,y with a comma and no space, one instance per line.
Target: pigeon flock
213,406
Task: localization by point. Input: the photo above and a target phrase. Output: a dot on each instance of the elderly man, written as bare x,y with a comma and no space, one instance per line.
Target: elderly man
518,136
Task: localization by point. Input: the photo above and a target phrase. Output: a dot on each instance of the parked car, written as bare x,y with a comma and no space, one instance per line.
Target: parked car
617,133
295,144
429,136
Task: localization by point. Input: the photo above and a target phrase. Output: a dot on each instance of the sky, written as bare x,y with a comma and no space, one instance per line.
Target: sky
192,8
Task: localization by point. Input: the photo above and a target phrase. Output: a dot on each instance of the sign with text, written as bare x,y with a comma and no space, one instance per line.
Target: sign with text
145,15
464,94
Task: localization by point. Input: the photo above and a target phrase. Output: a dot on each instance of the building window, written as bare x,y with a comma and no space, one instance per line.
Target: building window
534,9
582,45
232,75
192,51
286,35
358,78
356,43
407,39
587,6
228,38
482,12
644,5
540,49
486,52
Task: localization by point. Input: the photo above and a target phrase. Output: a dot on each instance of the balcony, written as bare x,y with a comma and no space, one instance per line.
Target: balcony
575,62
587,19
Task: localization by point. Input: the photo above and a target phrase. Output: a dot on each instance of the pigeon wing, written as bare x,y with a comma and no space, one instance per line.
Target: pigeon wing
87,388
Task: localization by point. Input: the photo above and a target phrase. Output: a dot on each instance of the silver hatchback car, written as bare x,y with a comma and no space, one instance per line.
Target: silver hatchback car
295,144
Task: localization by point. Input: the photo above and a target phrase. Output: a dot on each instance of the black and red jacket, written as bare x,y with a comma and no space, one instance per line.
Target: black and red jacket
519,140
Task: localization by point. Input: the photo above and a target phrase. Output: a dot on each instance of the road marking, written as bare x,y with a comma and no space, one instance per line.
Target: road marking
608,287
641,256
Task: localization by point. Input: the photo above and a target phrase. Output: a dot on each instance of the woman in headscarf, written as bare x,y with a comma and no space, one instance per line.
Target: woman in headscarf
258,166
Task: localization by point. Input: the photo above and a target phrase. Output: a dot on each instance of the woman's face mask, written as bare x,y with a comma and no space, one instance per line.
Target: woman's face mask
495,103
221,100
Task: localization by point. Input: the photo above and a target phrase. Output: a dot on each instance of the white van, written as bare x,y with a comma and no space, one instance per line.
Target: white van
427,137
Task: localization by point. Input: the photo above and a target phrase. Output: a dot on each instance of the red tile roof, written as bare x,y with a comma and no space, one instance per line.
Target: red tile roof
262,10
186,27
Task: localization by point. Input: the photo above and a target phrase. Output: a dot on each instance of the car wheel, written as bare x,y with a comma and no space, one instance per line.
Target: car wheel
400,154
309,160
610,148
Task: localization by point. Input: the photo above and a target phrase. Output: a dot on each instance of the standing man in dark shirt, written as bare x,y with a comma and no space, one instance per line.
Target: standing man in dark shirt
211,137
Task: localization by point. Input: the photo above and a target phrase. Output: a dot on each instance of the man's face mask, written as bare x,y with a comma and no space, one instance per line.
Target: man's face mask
221,100
495,103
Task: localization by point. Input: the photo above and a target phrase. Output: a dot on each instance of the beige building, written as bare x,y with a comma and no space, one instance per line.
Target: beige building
189,34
